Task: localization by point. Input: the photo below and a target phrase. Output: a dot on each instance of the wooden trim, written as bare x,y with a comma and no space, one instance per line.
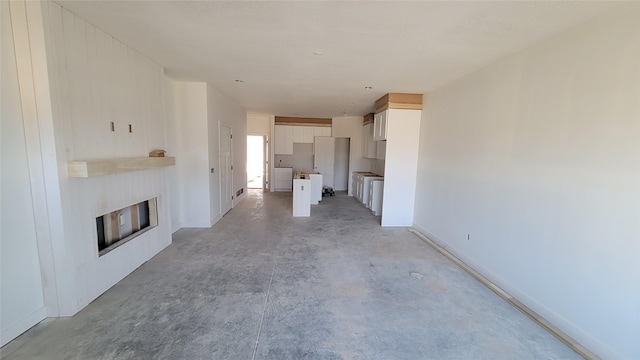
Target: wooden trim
135,218
399,101
89,168
368,119
112,227
153,212
283,120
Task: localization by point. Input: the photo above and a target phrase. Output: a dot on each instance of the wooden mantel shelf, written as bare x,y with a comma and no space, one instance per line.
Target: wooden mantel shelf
89,168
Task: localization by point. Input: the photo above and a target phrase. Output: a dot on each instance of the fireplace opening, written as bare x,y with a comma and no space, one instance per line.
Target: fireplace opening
120,226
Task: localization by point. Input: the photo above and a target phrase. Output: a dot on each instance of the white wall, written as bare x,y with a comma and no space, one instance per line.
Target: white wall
258,124
21,290
351,127
537,157
194,114
223,110
188,134
96,79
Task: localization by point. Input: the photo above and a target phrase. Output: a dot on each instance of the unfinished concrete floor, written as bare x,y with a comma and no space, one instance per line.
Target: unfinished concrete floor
261,284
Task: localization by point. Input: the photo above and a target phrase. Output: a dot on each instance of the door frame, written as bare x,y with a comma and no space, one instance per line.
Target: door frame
230,170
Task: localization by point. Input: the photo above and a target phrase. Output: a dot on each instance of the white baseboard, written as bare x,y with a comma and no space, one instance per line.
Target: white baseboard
215,219
578,335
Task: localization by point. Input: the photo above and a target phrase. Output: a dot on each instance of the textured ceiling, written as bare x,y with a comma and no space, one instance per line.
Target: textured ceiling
315,58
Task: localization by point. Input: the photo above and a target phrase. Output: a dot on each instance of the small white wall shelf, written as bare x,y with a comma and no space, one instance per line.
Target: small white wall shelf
90,168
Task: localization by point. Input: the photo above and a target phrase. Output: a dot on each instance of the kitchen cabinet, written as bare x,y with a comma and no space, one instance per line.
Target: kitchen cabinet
366,185
380,125
286,135
401,164
375,196
397,133
282,179
301,195
316,187
368,145
298,134
308,134
360,185
283,140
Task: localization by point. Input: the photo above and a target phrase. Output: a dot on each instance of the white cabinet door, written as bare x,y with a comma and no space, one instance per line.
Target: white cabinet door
278,140
380,125
283,142
307,134
288,140
316,188
324,152
282,179
298,134
301,197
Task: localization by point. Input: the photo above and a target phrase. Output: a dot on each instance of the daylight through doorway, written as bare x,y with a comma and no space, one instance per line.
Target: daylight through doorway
255,162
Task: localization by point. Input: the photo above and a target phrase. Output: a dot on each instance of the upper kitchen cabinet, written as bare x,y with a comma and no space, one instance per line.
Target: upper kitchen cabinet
305,134
283,140
290,130
369,146
392,101
400,128
379,125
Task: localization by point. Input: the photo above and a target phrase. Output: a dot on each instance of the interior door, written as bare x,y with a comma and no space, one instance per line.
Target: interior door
226,170
341,164
323,158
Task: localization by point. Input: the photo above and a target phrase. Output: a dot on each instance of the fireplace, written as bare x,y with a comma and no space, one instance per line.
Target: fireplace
118,227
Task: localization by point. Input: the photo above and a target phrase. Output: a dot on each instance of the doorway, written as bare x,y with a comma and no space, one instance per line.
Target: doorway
255,162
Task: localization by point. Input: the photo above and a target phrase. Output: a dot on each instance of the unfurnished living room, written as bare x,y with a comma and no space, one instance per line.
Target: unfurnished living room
320,180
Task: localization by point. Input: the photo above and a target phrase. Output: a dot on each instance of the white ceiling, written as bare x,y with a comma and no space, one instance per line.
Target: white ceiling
315,58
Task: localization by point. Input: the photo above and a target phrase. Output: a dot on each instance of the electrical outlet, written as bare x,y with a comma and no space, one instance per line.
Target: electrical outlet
121,219
468,236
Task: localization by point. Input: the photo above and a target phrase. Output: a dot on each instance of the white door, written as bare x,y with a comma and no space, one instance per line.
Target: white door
341,164
226,170
323,158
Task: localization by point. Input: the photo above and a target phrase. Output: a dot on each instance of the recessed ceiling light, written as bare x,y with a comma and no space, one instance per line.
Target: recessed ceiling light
368,87
239,81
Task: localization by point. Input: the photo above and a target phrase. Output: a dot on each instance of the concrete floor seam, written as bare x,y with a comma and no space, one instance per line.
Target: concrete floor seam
264,309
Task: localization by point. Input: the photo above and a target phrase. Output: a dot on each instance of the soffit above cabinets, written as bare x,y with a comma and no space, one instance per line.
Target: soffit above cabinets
298,121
